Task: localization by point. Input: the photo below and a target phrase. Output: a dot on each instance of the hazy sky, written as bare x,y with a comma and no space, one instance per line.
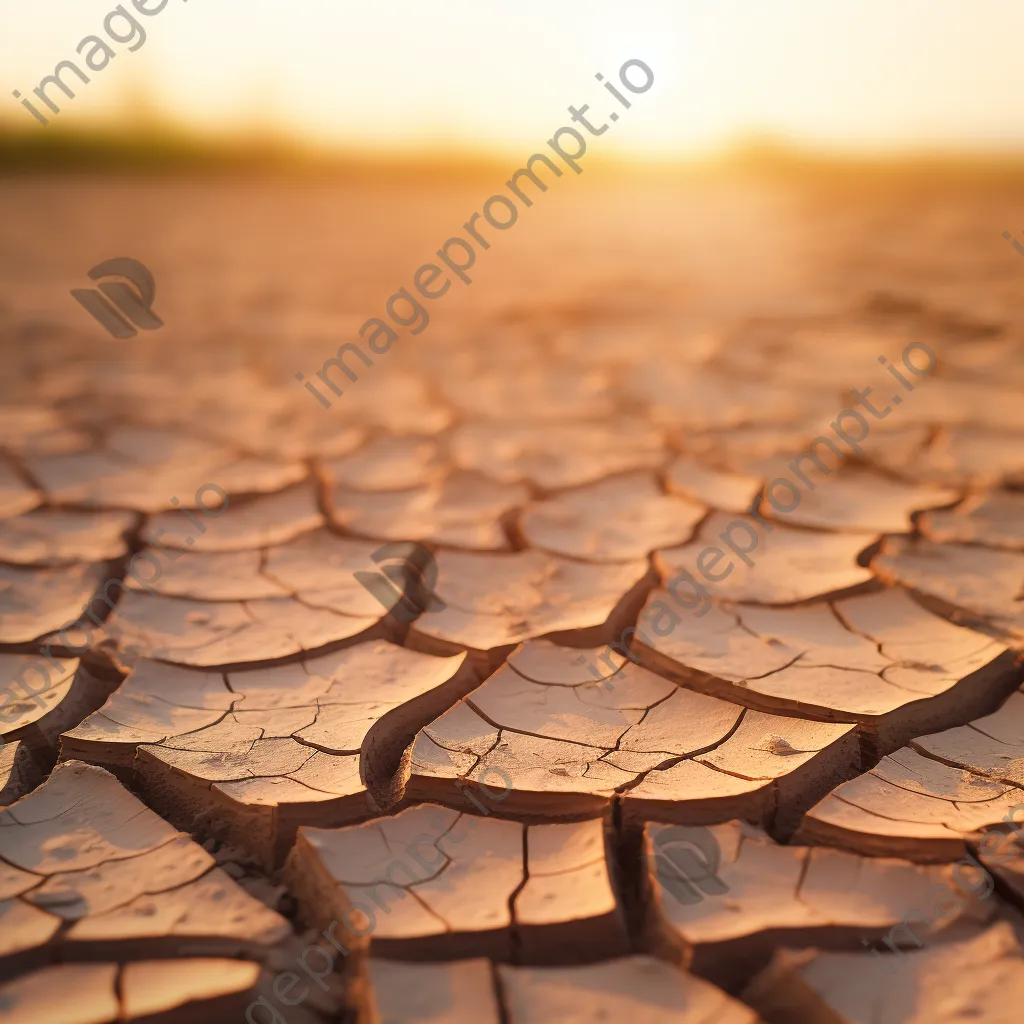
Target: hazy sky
499,74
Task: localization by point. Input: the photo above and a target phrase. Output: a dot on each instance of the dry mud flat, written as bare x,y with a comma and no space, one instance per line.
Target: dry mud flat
232,786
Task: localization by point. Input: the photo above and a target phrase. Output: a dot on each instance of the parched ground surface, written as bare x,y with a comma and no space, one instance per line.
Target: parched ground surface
232,784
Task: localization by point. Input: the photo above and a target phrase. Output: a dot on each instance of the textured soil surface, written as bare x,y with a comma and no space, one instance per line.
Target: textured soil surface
236,786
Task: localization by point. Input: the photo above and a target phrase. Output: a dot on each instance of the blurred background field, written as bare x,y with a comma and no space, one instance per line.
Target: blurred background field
282,165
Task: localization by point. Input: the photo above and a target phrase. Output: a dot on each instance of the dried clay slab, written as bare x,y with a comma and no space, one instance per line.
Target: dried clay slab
992,746
762,452
569,742
1002,856
878,659
855,500
715,488
16,496
985,403
722,898
308,434
464,510
87,871
431,883
615,520
970,456
258,522
187,991
210,633
19,771
985,584
768,771
776,564
556,456
959,457
394,992
790,349
52,537
928,799
40,698
386,464
35,602
703,398
495,601
993,519
250,755
639,989
239,607
317,568
143,469
980,979
398,403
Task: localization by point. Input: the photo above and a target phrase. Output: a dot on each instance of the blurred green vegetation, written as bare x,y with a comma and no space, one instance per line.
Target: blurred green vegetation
140,145
135,148
770,155
139,148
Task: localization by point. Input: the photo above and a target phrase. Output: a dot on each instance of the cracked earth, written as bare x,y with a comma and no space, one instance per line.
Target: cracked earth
219,747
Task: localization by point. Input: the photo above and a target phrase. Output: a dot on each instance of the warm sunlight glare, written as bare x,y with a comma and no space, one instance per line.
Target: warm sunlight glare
842,74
